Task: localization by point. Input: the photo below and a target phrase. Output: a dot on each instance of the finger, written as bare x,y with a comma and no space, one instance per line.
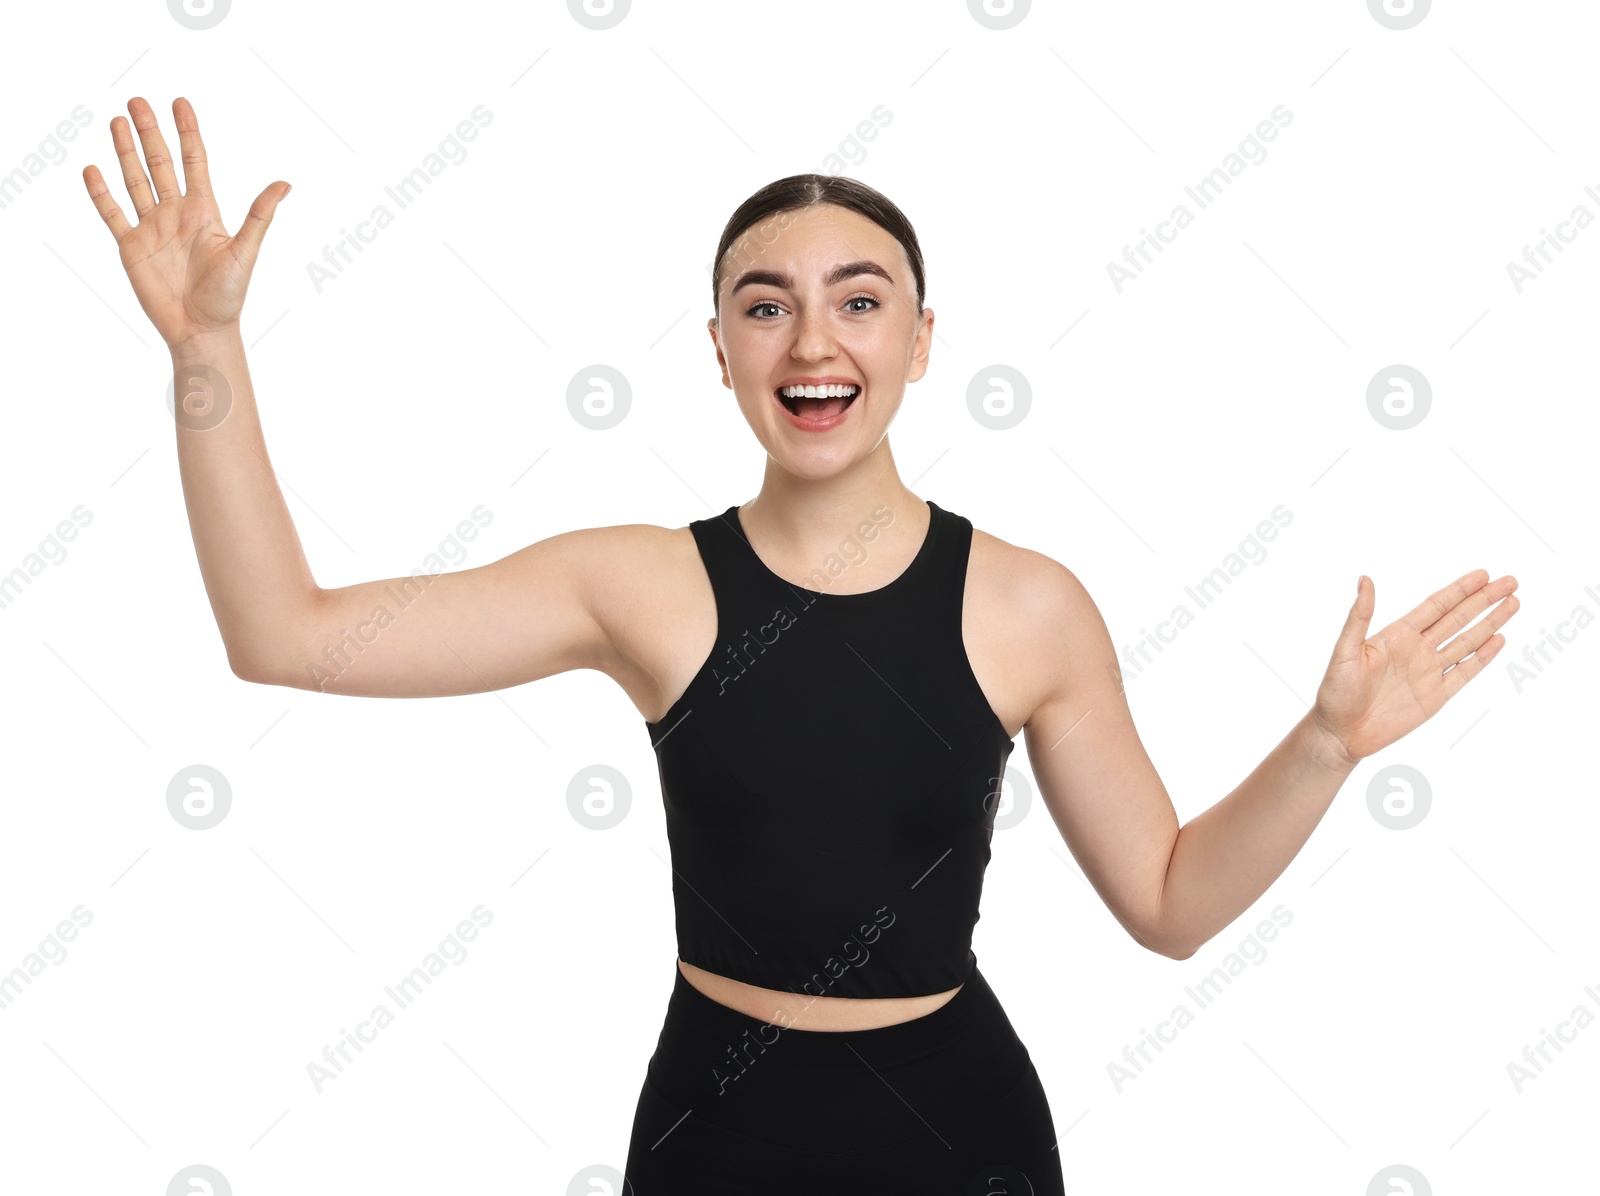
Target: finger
248,238
155,149
105,204
1472,666
1354,632
1434,607
1471,640
132,171
1468,609
196,177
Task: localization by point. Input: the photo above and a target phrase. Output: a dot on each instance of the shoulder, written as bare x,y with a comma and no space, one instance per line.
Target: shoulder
627,544
644,577
625,562
1034,586
619,574
1038,617
603,553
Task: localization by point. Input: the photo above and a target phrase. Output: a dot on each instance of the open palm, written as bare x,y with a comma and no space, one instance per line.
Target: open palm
1379,689
189,275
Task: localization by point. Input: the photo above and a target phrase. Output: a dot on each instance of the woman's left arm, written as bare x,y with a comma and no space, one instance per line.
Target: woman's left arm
1174,888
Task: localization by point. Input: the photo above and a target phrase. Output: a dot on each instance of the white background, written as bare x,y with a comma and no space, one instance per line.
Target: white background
431,376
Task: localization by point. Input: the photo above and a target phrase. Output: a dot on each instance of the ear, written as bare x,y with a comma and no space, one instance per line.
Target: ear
921,346
711,327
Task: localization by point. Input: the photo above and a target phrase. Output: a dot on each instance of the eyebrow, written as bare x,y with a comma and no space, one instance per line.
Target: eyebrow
837,275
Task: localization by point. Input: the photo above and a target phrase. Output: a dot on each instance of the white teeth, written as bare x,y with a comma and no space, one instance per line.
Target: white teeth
817,392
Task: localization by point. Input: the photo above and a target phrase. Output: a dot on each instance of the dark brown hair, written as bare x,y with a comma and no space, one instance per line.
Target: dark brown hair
800,191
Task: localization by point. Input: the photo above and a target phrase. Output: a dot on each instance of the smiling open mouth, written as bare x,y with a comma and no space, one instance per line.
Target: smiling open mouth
817,402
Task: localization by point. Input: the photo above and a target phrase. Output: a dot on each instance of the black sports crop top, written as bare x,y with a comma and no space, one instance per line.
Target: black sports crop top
831,773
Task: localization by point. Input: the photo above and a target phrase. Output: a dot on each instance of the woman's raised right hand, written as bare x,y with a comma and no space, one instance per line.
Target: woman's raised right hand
188,273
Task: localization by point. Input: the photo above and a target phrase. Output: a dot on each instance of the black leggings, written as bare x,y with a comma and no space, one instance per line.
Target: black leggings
945,1103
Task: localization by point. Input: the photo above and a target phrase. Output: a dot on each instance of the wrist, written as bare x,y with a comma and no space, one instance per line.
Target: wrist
206,346
1323,746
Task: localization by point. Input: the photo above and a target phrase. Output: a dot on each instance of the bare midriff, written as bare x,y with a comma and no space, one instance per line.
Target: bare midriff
802,1011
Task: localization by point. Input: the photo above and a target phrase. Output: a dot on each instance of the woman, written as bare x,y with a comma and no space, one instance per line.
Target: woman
832,675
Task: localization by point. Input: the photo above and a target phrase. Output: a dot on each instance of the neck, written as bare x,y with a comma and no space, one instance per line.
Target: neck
799,519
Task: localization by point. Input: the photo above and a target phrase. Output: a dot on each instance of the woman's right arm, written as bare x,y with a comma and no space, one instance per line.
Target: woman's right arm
536,612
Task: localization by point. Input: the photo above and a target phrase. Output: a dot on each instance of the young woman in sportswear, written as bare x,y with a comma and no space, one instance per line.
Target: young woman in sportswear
830,726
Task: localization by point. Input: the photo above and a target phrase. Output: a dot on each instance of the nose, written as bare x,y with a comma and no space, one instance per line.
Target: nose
814,339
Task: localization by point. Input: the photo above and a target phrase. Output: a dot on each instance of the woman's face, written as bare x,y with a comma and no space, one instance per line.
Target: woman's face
821,294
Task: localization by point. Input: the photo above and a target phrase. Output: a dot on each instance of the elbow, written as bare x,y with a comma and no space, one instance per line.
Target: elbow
249,669
1178,951
1172,951
245,673
270,659
1161,935
1162,944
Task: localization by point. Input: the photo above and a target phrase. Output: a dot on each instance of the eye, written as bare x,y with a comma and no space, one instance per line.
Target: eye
858,311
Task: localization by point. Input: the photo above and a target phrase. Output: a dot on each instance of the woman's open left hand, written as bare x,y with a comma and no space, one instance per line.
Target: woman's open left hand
1378,689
